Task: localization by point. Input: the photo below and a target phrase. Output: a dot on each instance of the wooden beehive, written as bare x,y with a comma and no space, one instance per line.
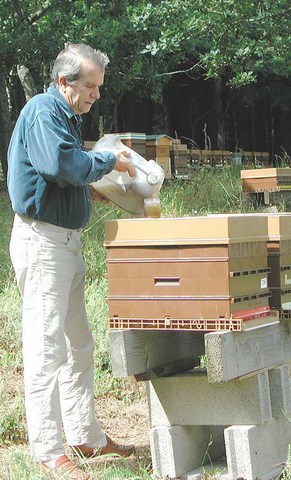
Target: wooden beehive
180,158
182,270
135,141
279,260
266,179
195,157
158,149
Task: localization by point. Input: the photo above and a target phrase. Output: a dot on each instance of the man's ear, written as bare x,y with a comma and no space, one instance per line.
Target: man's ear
62,82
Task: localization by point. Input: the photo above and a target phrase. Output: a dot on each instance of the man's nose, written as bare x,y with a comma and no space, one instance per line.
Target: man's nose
96,93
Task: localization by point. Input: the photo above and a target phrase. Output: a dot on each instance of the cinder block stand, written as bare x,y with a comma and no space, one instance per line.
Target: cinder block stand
235,429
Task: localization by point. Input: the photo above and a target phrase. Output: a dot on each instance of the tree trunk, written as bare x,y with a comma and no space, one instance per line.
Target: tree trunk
5,130
221,134
26,81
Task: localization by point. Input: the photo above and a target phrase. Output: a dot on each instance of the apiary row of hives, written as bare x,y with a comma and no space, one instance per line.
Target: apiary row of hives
176,157
198,273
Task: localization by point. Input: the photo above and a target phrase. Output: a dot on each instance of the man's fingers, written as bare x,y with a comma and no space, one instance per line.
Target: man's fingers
131,170
123,163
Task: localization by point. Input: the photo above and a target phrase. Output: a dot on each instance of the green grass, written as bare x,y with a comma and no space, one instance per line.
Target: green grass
207,191
19,466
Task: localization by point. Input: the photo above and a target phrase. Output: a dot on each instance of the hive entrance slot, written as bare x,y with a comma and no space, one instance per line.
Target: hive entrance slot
167,281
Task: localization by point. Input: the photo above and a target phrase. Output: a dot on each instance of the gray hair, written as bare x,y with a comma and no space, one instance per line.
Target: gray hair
69,61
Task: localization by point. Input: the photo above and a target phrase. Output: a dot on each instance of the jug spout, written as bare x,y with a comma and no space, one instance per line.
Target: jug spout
148,179
152,178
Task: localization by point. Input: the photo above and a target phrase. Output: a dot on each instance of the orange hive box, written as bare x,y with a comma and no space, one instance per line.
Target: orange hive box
197,273
279,261
266,179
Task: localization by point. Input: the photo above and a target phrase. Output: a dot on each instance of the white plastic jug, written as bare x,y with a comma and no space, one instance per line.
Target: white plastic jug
129,192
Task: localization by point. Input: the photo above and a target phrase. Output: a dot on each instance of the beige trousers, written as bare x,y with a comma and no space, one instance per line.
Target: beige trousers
57,342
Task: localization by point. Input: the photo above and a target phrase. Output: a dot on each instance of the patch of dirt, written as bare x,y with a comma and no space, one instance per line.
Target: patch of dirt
127,420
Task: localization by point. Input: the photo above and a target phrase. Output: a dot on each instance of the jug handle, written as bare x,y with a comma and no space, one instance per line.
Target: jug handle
138,167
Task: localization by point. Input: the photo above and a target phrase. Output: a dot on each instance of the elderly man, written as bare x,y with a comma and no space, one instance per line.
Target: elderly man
48,181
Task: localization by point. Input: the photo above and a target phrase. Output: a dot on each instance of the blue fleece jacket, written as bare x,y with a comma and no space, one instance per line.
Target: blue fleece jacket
48,171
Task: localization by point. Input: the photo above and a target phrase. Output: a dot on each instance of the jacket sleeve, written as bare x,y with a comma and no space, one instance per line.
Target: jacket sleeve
56,154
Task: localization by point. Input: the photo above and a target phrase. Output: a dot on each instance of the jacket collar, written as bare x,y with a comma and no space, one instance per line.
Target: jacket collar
64,105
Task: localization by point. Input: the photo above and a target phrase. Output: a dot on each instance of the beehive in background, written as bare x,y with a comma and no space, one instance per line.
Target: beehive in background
178,272
266,179
215,158
279,260
158,149
180,158
258,159
135,141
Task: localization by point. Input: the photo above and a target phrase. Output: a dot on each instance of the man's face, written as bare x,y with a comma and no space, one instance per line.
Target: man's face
81,94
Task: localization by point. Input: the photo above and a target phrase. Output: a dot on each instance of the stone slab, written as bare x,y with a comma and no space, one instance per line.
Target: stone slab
137,352
188,399
236,354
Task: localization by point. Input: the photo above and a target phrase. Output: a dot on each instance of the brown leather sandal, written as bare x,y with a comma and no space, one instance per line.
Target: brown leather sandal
64,470
111,448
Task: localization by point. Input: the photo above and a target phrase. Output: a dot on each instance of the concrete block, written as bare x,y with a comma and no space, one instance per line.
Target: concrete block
280,391
134,352
188,399
254,450
178,449
236,354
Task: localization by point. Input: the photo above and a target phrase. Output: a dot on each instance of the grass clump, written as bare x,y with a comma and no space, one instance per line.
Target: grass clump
206,191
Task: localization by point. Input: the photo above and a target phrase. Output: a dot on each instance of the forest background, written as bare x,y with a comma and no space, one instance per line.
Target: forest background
215,73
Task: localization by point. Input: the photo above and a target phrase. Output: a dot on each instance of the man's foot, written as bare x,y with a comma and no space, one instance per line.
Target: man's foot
64,470
111,448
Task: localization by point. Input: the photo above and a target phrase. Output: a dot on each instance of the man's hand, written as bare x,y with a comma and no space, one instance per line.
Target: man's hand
123,163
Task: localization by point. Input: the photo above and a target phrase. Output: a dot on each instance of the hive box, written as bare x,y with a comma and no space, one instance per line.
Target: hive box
180,158
135,141
158,149
178,270
253,158
266,179
279,260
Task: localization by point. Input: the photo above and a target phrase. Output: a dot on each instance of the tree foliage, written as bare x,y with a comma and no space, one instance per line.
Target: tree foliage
239,39
238,43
